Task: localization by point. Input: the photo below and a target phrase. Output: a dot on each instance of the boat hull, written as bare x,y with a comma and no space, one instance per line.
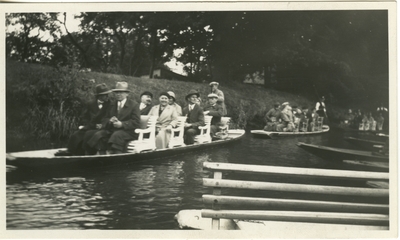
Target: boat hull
339,154
268,134
46,158
363,143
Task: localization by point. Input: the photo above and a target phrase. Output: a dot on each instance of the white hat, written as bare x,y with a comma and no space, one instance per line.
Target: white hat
171,94
214,83
212,95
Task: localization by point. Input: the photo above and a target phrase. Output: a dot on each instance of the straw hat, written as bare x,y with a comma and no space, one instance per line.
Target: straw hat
214,83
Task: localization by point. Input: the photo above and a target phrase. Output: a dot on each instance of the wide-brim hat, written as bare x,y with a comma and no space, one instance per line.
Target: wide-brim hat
192,92
102,89
121,87
171,94
212,95
146,93
214,83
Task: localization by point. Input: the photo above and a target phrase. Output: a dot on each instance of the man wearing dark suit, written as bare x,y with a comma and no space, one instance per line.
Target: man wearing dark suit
195,117
215,110
119,124
145,103
90,120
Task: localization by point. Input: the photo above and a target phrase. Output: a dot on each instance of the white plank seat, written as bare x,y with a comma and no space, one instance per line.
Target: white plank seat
367,209
205,131
303,126
176,139
318,124
144,142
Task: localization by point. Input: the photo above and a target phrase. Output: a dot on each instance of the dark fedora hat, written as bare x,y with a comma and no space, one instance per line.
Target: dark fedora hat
102,89
146,93
164,94
192,92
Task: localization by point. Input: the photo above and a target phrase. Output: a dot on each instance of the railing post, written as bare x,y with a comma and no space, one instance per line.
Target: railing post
216,191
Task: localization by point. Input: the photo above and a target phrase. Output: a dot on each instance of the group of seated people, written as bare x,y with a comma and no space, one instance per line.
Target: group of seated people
108,126
362,120
284,118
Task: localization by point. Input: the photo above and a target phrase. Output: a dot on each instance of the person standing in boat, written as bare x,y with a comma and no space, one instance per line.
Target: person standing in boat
215,110
321,108
385,114
145,102
119,124
221,99
272,118
167,119
195,117
90,120
172,102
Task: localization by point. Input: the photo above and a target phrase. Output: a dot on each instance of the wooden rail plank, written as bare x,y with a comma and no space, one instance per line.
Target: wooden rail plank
216,223
311,172
291,216
289,187
292,204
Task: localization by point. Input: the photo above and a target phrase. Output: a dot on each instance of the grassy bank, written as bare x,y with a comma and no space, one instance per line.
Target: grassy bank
246,104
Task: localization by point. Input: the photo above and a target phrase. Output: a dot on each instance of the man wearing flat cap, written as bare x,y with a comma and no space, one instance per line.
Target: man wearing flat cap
221,99
195,117
121,120
215,110
90,120
145,102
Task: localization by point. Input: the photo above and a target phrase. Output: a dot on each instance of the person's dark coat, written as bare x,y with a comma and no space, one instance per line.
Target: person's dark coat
194,117
216,111
146,110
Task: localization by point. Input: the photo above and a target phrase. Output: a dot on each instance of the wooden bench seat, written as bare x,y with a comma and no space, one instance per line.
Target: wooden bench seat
304,207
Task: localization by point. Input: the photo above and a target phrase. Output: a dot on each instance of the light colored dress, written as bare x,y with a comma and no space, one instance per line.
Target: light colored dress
168,116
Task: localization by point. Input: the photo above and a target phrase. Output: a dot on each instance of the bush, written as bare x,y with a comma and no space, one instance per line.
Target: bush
54,104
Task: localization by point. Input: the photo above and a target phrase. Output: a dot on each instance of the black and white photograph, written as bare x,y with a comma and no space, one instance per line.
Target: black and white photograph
198,120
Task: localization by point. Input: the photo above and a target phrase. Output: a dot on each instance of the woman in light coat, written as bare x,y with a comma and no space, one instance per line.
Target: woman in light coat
167,119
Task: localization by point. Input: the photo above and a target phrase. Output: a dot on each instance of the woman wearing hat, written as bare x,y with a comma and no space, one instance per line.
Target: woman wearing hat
195,117
287,124
220,94
119,124
172,102
90,120
167,119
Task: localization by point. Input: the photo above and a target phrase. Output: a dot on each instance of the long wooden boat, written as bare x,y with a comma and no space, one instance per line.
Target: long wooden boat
46,158
268,134
339,154
192,219
364,143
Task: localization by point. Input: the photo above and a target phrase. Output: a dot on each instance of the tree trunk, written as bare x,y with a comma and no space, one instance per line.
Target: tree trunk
153,54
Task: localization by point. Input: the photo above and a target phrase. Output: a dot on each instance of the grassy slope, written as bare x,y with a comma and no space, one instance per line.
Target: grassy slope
246,104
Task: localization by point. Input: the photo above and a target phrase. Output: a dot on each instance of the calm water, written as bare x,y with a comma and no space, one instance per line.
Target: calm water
142,196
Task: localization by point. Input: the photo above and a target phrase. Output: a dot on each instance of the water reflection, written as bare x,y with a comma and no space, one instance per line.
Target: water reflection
145,195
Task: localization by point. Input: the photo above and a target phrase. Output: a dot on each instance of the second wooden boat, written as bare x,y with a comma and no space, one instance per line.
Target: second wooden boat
364,143
268,134
339,154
